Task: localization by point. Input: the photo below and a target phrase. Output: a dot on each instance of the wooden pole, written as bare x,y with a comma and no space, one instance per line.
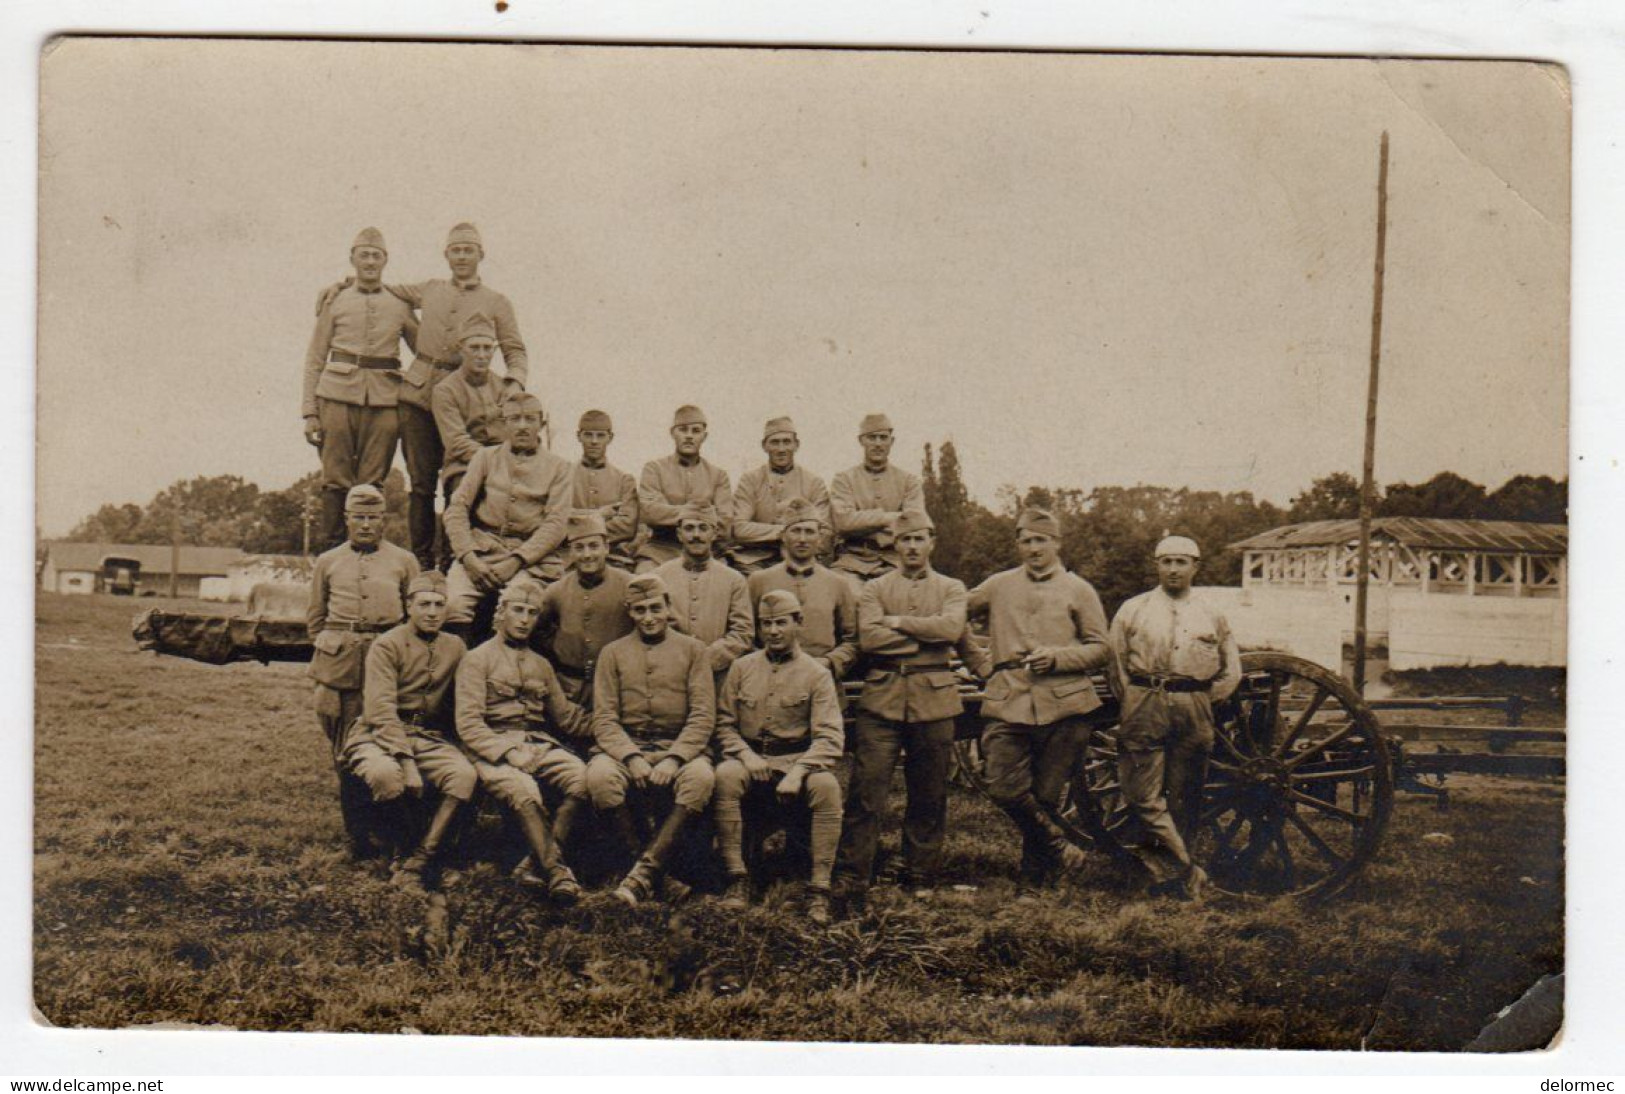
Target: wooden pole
1362,577
174,554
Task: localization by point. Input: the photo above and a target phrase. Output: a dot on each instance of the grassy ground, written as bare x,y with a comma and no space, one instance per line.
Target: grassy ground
187,868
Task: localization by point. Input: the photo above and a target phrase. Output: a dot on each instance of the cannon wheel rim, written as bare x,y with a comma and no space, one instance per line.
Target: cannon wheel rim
1299,788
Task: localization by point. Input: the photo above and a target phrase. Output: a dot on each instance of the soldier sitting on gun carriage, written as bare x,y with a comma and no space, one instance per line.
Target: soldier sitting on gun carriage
513,716
654,710
1173,657
507,516
779,728
406,734
357,591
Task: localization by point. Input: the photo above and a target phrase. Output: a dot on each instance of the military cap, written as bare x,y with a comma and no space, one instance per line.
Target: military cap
1170,546
695,511
522,590
465,233
874,423
584,524
520,402
688,414
595,419
912,520
477,325
778,425
797,510
429,581
369,237
1038,520
645,587
365,498
777,602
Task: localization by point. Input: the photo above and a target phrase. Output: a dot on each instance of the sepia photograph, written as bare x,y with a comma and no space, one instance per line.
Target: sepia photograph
897,546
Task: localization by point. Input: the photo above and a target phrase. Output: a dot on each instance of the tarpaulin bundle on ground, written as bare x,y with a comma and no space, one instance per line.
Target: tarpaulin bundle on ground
221,640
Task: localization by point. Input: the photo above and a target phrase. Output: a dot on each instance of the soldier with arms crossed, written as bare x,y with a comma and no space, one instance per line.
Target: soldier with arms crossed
513,715
352,381
1048,631
829,607
865,501
357,591
763,493
671,482
1172,656
407,735
910,622
605,489
779,727
654,710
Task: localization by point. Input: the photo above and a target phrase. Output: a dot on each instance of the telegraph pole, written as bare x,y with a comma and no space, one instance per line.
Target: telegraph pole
175,552
1362,578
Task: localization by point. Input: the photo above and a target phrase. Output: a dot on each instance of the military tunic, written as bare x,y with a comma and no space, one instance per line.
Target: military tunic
829,610
407,715
612,494
758,505
863,504
668,484
469,418
513,716
711,603
355,593
586,616
655,700
507,502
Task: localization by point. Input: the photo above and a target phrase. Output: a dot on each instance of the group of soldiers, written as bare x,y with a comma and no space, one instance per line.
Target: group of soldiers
666,648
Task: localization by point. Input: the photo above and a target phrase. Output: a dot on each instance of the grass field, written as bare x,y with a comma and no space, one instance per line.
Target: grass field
188,869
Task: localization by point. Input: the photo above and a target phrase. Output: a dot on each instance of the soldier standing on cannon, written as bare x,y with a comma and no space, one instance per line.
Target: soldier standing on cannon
513,715
357,590
764,491
508,515
829,606
1048,632
779,727
1172,656
866,500
909,623
468,403
406,734
709,600
671,482
654,710
605,489
586,609
352,381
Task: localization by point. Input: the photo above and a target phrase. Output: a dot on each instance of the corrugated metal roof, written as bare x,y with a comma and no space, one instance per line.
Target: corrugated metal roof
154,558
1448,535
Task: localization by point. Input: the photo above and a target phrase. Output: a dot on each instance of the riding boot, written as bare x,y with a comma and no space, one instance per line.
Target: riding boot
639,884
1042,836
355,809
561,881
412,869
625,827
420,528
564,820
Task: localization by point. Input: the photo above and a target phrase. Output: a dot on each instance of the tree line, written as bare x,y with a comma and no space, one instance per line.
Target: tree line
1109,531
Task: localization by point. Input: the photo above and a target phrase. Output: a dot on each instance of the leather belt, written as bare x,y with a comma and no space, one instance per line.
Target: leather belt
778,746
437,362
1160,682
908,668
365,362
1018,663
358,628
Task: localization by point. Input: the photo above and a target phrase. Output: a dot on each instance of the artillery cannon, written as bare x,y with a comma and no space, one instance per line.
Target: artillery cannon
1298,791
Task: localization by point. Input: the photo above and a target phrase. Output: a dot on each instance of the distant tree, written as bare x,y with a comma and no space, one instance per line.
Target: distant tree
112,524
951,509
208,511
1331,497
1445,495
1530,497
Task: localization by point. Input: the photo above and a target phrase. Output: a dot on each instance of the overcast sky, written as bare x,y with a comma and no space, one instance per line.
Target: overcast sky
1084,270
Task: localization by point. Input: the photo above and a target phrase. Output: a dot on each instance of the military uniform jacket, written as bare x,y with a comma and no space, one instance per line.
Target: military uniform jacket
781,708
613,495
667,485
829,610
863,503
654,699
931,623
712,604
586,617
509,502
443,306
354,595
408,689
366,324
1061,612
1156,635
508,696
758,505
468,417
